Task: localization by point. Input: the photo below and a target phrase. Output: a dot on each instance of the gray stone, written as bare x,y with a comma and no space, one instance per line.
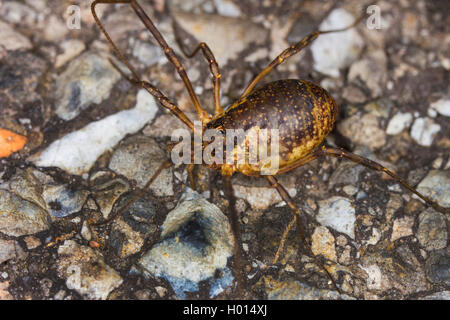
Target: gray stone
87,80
195,243
339,214
436,185
21,217
85,271
62,201
138,158
363,130
424,130
432,231
437,267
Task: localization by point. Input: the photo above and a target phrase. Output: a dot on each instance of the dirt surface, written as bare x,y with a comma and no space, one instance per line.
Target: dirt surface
400,68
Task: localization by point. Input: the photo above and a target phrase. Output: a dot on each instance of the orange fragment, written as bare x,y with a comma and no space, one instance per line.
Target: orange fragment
10,142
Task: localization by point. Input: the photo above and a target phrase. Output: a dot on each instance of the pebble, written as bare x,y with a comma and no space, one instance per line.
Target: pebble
71,48
363,130
399,122
32,242
323,243
424,130
443,295
227,8
334,51
4,294
147,53
432,231
339,214
437,267
219,32
195,243
77,151
372,71
295,290
402,228
108,192
87,80
436,186
20,217
11,40
138,158
442,106
7,250
85,271
62,201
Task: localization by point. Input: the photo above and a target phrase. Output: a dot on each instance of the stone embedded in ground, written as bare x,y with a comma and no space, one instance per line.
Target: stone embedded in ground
372,71
62,201
138,158
11,40
147,53
436,185
226,36
71,48
399,122
339,214
8,250
20,217
195,243
363,130
87,80
442,106
135,225
85,271
402,228
295,290
424,130
334,51
77,151
323,243
227,8
432,231
437,267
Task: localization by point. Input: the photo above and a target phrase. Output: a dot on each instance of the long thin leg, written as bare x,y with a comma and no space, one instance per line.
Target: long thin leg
339,153
234,219
166,164
285,196
168,51
291,51
213,67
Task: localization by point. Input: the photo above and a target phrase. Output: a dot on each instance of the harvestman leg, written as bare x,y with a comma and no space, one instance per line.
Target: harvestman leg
296,48
285,196
168,51
213,67
235,227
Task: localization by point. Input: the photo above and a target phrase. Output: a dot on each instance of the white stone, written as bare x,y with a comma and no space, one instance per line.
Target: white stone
339,214
12,40
399,122
442,106
335,51
227,8
77,151
423,131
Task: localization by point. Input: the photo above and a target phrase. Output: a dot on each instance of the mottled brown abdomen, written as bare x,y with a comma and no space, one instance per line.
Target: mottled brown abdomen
303,112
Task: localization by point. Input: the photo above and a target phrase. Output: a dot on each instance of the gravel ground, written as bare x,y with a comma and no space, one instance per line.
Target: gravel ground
92,139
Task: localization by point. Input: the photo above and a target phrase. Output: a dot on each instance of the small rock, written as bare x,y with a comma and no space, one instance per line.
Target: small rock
161,291
32,242
147,53
4,294
432,231
372,71
71,48
339,214
107,190
350,190
11,40
376,280
437,267
77,151
443,295
219,32
195,242
138,158
87,80
436,186
21,217
296,290
442,106
363,130
399,122
85,271
424,130
402,228
62,201
227,8
323,243
335,51
7,250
